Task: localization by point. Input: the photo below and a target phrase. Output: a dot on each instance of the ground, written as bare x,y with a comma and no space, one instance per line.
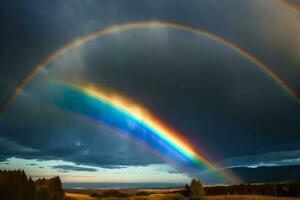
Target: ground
170,196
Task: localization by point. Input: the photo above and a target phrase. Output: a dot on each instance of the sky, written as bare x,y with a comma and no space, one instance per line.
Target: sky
228,108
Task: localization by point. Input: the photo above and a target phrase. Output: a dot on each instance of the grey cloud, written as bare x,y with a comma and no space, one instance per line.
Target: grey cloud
8,146
63,132
68,168
280,158
209,94
174,171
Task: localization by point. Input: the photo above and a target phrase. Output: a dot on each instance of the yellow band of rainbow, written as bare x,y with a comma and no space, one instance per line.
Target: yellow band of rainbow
116,111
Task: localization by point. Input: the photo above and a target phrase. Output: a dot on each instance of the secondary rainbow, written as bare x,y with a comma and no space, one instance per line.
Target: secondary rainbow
146,24
116,111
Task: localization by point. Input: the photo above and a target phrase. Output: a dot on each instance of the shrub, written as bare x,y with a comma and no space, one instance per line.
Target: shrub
142,193
95,195
110,193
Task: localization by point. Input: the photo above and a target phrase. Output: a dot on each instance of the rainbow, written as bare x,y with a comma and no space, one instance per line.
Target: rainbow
146,24
294,8
132,119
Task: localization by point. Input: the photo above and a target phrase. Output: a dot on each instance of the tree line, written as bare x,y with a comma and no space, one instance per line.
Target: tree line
196,191
14,185
291,189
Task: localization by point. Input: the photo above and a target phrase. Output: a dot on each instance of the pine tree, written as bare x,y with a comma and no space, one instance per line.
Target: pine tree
29,193
59,187
43,194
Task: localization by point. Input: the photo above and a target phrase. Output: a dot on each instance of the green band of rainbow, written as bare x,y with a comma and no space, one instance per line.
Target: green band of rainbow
134,120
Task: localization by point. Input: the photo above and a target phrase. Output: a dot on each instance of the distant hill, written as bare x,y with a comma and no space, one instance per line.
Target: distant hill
268,174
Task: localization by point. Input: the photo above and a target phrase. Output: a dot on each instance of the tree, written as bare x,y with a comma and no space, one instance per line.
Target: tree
14,185
197,192
43,194
59,187
29,193
54,187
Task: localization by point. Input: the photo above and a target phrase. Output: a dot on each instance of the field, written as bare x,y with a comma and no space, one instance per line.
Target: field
171,196
79,196
150,197
248,197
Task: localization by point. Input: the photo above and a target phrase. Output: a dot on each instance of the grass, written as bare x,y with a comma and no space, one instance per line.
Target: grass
171,197
248,197
79,196
150,197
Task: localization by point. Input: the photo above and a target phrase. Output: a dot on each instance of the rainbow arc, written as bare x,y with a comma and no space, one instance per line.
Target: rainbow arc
131,119
152,25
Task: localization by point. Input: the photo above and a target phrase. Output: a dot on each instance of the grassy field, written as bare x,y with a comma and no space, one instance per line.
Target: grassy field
248,197
79,196
171,196
150,197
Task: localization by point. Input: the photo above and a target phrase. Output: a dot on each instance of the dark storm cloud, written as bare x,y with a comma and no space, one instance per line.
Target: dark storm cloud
211,95
33,29
59,135
227,97
9,147
115,167
280,158
68,168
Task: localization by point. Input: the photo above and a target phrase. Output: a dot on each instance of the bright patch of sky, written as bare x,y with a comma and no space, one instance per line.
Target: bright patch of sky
70,172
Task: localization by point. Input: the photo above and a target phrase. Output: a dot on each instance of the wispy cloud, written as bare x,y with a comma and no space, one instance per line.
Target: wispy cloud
277,158
31,164
68,168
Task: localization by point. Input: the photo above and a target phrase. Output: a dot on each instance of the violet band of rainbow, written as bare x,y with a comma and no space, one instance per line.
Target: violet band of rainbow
134,120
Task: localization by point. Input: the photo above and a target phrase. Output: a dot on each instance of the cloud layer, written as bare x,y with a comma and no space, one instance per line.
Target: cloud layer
214,97
70,168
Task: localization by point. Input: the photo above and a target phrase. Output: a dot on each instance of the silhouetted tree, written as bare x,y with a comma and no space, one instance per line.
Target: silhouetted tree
59,187
197,190
275,189
54,186
43,194
194,191
29,193
14,185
